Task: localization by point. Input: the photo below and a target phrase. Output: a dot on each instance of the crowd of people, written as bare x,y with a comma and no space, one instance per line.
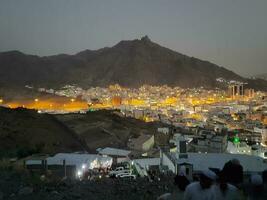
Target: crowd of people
228,184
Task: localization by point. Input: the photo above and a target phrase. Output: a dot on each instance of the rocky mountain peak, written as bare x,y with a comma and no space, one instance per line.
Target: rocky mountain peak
145,39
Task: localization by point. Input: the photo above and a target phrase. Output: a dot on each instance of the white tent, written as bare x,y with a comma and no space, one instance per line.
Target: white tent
114,152
88,161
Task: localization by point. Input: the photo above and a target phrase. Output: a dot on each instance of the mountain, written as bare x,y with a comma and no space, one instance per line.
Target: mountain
261,76
129,63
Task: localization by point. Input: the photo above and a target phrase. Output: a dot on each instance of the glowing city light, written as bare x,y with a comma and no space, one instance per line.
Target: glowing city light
79,173
236,140
83,166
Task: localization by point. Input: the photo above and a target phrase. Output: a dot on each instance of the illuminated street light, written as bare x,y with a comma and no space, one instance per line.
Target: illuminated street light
79,173
83,166
1,100
72,100
36,100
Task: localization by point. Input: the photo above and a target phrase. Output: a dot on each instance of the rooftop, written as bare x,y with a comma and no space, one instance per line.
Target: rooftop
202,161
113,151
76,159
141,139
144,162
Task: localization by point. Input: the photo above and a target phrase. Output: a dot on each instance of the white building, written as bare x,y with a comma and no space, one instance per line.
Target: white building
88,161
118,155
210,142
203,161
239,148
142,143
263,131
239,108
138,114
72,165
164,130
146,162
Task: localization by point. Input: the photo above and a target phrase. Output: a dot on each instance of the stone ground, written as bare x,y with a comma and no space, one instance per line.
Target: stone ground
13,187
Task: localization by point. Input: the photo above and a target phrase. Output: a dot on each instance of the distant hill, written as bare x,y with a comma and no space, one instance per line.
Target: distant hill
128,63
262,76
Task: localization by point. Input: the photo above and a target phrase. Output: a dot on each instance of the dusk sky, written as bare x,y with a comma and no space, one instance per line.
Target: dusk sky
230,33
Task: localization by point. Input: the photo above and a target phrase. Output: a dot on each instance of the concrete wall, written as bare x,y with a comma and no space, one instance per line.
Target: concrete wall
167,162
164,130
148,144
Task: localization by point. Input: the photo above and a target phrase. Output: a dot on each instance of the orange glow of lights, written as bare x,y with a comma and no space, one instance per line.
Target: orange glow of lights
170,100
65,105
136,102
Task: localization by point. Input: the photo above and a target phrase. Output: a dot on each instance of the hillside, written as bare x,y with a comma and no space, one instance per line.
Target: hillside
129,63
262,76
24,132
104,128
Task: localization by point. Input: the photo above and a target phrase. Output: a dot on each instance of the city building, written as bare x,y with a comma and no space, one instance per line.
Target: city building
118,155
210,142
239,148
236,90
197,162
165,130
263,131
70,165
250,93
142,143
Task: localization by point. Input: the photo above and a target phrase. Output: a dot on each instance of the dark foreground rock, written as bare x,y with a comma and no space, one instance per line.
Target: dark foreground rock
104,188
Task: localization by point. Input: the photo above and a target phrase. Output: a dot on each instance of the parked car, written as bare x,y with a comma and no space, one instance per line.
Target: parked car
128,176
118,170
121,174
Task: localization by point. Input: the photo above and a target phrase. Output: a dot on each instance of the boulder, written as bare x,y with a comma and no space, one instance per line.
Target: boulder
1,195
25,191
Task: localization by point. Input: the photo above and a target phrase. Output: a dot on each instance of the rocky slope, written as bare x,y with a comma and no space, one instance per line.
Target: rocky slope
24,132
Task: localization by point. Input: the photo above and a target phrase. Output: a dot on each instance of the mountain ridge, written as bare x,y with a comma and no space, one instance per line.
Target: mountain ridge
130,63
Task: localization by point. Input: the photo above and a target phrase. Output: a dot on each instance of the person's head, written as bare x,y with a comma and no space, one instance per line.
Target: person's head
256,180
182,171
235,161
206,178
256,183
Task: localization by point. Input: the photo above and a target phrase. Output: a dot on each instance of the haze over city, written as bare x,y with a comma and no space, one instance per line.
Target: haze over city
230,33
